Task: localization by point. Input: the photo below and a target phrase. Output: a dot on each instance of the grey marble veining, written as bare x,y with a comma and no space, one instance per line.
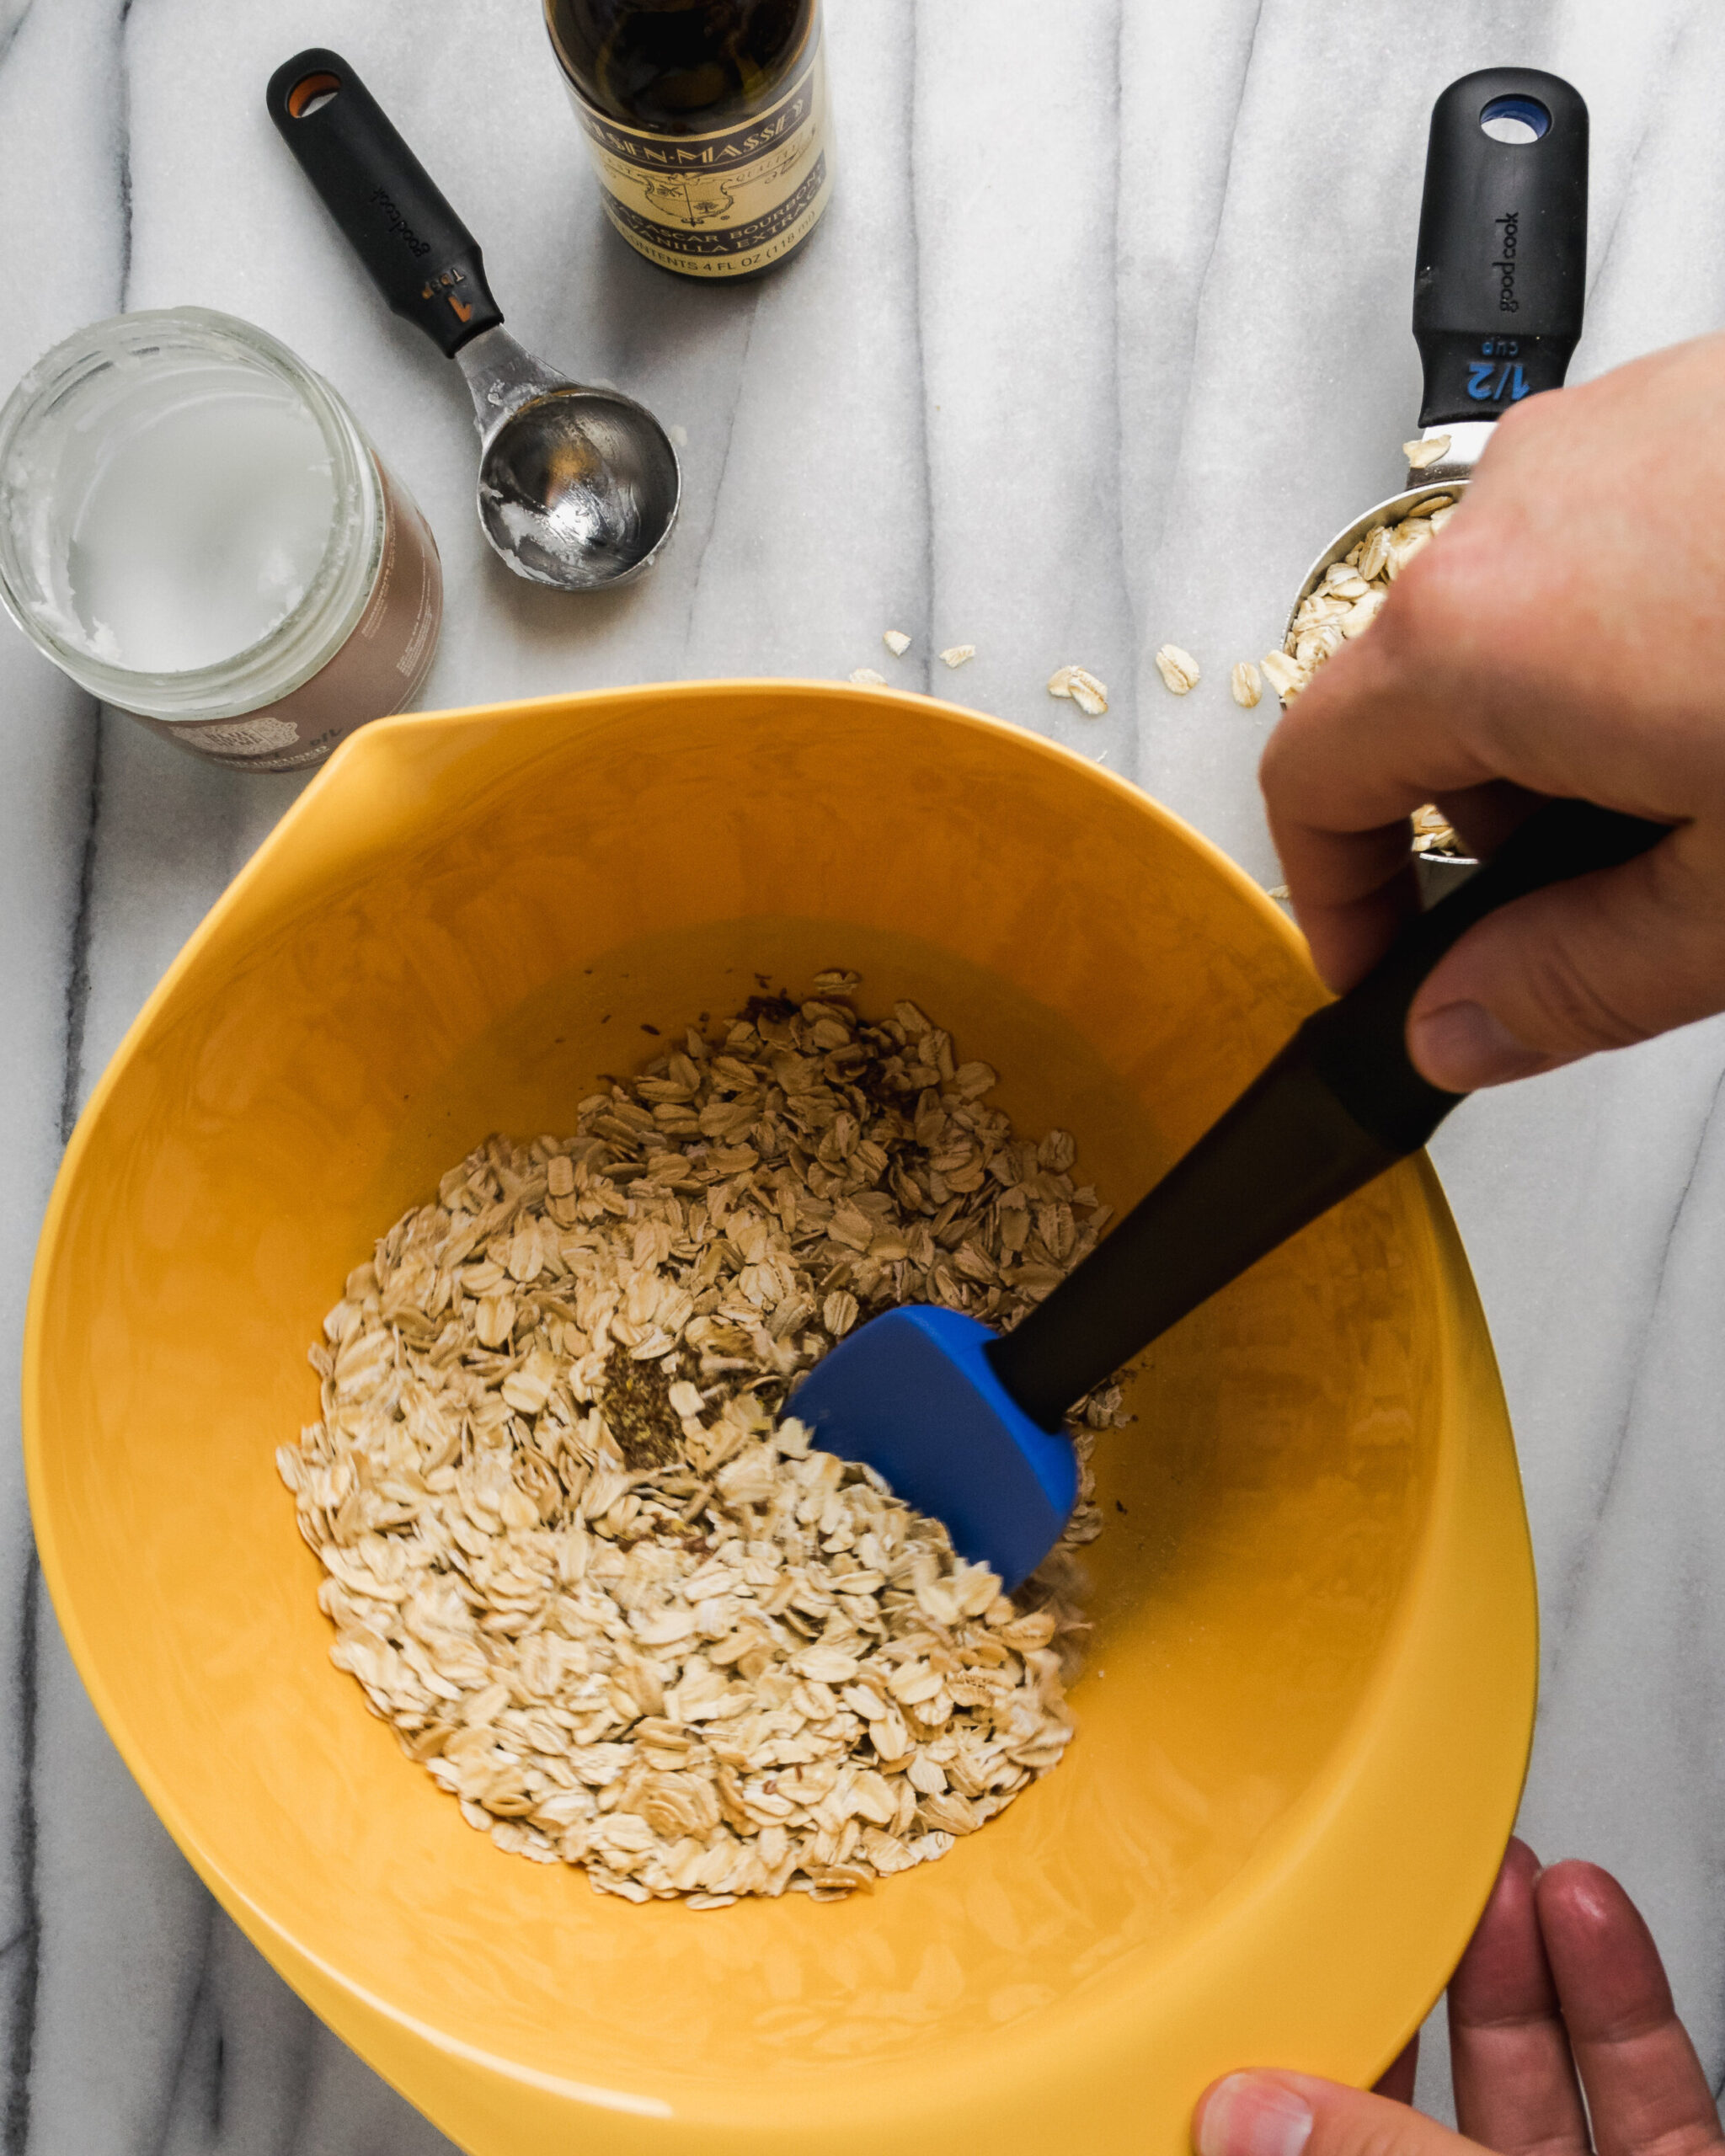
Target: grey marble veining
1105,331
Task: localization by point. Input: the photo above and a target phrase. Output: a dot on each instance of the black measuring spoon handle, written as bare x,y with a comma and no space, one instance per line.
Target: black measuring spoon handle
422,257
1501,273
1339,1104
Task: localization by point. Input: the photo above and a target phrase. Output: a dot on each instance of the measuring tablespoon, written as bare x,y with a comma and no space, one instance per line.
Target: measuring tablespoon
579,486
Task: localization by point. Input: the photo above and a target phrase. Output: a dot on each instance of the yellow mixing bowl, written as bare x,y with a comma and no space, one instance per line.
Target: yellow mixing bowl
1303,1730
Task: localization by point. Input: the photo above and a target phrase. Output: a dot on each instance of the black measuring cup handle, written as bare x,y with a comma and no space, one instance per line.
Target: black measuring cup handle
1340,1104
1501,273
422,257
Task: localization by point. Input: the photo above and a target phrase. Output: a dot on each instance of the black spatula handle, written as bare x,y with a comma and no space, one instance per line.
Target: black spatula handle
1501,272
1336,1108
1359,1042
422,257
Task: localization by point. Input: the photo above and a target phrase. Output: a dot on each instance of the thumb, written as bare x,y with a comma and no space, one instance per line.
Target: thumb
1598,962
1297,2115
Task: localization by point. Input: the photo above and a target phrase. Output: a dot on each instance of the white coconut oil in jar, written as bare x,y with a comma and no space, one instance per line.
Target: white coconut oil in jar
192,527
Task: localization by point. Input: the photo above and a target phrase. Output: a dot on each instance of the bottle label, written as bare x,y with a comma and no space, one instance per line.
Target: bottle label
724,203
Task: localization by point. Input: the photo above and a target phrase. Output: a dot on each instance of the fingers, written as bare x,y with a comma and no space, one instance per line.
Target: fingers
1391,721
1561,1962
1353,890
1338,803
1644,2085
1486,815
1598,962
1516,2088
1550,642
1297,2115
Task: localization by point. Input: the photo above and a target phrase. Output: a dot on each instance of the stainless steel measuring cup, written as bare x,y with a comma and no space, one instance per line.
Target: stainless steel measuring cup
1498,289
579,486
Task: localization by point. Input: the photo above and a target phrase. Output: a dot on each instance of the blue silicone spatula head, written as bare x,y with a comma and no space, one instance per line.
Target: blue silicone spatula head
913,1394
968,1426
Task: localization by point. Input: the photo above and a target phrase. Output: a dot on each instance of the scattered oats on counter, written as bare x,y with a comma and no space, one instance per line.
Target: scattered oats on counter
615,1604
1426,450
956,654
1089,695
896,642
865,677
1178,669
1247,684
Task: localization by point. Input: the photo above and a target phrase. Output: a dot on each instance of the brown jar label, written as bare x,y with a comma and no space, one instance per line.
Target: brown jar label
381,666
724,203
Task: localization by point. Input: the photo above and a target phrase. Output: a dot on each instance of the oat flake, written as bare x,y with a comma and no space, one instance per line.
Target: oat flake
1178,669
1089,695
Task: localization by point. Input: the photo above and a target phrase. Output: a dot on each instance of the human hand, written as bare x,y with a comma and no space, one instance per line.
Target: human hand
1560,1995
1565,634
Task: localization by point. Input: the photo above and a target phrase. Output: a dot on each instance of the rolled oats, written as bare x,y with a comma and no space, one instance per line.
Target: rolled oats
865,677
1431,449
956,654
1247,684
576,1551
1284,675
896,642
1346,601
1434,832
1089,695
1178,669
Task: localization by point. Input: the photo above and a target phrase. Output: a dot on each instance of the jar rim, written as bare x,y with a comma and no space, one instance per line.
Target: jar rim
311,631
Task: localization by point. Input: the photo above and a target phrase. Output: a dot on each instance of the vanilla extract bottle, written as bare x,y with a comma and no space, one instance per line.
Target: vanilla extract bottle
707,123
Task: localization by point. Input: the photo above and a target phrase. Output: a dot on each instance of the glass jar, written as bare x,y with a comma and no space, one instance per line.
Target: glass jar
192,527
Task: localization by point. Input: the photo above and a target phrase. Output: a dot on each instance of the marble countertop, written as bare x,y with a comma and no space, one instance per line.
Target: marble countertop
1106,331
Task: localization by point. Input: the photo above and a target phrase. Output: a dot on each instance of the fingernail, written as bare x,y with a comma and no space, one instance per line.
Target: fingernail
1462,1047
1248,2115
